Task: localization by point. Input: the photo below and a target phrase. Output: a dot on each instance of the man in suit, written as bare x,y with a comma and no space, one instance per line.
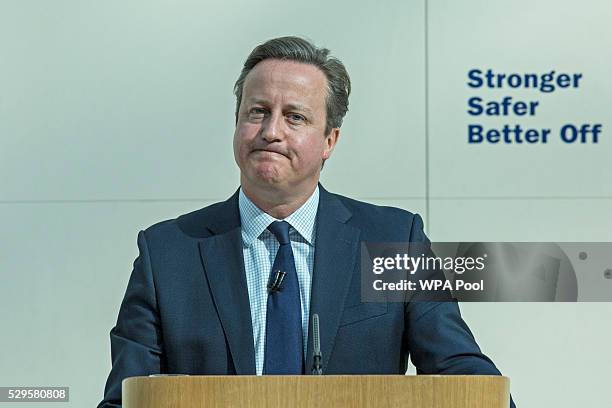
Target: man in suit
202,297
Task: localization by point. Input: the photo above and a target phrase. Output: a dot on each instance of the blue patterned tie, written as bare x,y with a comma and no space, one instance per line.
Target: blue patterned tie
284,350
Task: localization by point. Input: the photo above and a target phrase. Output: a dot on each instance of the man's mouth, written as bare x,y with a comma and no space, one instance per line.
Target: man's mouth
269,151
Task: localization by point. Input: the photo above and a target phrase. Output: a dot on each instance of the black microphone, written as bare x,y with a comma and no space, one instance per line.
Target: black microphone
317,368
275,281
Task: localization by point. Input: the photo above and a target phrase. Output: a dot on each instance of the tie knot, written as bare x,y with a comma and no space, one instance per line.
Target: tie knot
280,229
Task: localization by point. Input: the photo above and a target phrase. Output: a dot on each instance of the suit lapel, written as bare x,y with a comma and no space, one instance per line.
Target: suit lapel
336,252
224,268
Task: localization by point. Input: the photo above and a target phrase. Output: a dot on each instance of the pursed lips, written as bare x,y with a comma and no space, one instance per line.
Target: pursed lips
269,151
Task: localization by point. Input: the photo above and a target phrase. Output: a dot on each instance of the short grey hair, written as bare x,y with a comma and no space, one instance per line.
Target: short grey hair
301,50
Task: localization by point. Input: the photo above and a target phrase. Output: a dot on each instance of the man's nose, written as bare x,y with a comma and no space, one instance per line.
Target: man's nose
273,128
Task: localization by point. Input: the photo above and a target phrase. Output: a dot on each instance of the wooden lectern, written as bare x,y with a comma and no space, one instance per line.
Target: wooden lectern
422,391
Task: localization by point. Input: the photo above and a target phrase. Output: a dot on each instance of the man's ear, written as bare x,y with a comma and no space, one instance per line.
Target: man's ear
330,142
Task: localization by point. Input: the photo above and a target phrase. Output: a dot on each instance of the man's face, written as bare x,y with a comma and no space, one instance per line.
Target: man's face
280,139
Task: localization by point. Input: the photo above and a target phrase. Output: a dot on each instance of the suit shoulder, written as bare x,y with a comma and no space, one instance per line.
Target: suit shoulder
193,224
368,210
383,223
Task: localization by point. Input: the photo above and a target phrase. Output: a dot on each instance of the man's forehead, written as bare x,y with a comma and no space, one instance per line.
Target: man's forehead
288,76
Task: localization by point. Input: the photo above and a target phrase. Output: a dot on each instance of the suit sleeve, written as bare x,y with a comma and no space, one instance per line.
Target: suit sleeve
136,341
438,339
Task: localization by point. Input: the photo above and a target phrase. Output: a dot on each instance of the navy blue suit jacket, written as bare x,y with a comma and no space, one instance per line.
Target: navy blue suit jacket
186,308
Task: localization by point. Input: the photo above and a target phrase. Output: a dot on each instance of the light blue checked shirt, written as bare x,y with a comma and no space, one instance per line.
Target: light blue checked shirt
259,249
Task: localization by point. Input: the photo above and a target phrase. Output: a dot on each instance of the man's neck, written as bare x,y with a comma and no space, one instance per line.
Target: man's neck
278,204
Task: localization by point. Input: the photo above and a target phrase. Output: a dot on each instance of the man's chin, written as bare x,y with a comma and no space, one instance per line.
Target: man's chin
268,174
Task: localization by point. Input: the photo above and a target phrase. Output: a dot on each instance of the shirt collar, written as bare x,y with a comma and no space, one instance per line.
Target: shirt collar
254,221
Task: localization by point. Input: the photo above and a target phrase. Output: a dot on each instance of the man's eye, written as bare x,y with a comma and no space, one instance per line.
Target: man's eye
296,118
257,113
